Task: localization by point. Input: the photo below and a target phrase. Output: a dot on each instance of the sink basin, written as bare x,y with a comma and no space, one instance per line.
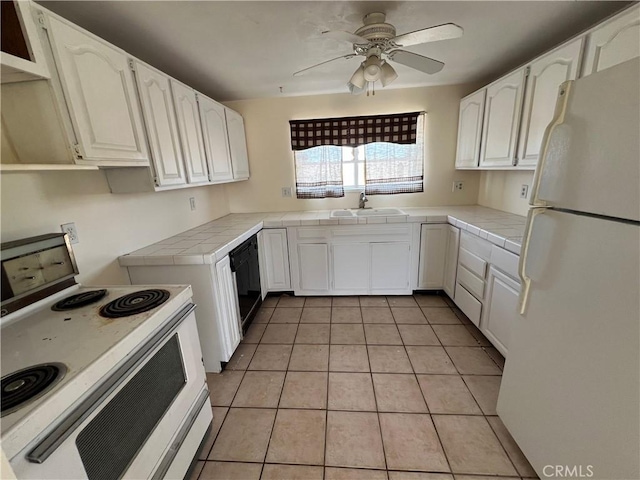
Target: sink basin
379,212
342,213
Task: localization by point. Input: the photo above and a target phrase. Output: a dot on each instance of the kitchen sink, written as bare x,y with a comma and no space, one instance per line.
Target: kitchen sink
379,212
342,213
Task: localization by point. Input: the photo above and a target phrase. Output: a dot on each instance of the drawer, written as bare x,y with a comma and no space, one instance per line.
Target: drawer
311,234
472,283
476,245
469,305
505,261
472,262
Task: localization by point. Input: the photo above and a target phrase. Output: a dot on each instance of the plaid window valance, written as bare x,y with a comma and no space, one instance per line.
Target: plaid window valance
399,128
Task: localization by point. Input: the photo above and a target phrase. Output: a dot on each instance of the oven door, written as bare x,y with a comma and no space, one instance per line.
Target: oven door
129,426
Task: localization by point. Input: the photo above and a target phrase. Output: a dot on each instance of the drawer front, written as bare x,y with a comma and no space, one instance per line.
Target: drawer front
472,283
505,261
476,245
469,305
311,234
472,262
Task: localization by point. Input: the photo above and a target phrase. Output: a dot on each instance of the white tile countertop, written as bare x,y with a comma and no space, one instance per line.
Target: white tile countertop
208,243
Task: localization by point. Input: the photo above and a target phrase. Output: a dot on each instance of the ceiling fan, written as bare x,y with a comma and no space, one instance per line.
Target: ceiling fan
378,43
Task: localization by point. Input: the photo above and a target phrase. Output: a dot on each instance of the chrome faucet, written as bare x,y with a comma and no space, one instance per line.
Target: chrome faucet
363,199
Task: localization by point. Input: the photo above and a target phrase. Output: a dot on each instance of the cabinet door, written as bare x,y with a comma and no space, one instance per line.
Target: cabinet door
237,145
390,267
275,259
190,132
216,140
545,76
451,260
433,248
100,94
227,306
500,310
616,41
350,262
501,121
162,129
313,267
470,130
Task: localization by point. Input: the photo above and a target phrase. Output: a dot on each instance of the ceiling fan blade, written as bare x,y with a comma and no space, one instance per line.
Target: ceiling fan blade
431,34
305,70
413,60
345,36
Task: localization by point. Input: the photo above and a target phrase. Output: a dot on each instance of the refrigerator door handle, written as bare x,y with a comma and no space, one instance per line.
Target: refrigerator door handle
524,254
558,118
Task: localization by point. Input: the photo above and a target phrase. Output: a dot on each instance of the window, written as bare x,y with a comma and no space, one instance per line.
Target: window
352,167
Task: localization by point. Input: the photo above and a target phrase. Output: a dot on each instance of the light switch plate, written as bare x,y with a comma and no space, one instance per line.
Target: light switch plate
192,203
286,192
71,230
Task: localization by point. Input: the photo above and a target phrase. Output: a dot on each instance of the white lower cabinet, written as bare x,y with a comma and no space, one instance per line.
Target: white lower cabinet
274,260
312,272
451,260
500,309
433,248
228,310
350,263
390,267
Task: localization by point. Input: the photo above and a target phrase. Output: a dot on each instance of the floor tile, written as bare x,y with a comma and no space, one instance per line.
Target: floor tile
286,315
244,436
430,360
440,316
254,333
345,302
473,361
354,440
402,301
398,393
351,391
313,333
270,302
332,473
471,445
310,358
347,333
418,335
496,356
518,459
259,390
291,472
241,357
316,315
430,300
195,472
447,394
231,471
348,358
304,390
263,315
408,315
389,359
478,335
373,301
298,437
485,390
455,335
317,302
271,357
411,443
382,334
377,315
280,333
219,413
421,476
483,477
223,387
346,315
289,301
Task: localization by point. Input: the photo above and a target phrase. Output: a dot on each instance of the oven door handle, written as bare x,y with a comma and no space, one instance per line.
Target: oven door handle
65,428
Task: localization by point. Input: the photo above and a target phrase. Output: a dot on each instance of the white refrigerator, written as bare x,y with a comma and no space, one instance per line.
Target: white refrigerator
570,394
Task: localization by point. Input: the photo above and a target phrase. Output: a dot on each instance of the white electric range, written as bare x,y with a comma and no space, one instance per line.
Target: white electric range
98,382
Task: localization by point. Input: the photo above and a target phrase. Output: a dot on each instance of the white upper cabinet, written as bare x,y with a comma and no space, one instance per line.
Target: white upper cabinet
545,76
161,125
501,120
216,143
237,145
614,42
100,94
190,132
470,129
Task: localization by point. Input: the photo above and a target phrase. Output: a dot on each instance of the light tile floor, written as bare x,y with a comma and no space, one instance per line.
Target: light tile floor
350,388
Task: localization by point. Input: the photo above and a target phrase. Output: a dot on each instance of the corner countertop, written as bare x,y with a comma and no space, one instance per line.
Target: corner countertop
208,243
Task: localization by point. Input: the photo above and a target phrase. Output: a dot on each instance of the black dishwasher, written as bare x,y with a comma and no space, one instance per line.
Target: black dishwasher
244,262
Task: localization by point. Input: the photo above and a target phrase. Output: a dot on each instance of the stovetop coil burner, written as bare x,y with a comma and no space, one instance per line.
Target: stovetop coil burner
21,387
134,303
79,300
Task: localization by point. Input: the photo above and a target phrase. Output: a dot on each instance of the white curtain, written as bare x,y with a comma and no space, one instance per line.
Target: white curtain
319,172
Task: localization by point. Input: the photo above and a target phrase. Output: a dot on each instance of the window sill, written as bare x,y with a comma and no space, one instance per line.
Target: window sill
359,188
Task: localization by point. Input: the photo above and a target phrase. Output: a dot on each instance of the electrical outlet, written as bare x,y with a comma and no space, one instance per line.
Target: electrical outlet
524,191
192,203
286,192
457,186
71,231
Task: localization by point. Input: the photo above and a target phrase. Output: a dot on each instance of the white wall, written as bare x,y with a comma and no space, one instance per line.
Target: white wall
501,190
108,224
271,158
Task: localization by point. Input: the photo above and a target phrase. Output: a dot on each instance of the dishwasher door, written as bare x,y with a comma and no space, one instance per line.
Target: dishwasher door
244,264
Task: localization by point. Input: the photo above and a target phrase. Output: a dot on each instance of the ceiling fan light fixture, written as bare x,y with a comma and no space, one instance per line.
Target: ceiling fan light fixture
388,74
354,89
358,78
372,68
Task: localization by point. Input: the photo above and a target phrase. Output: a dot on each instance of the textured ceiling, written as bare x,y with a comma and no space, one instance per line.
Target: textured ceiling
236,50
